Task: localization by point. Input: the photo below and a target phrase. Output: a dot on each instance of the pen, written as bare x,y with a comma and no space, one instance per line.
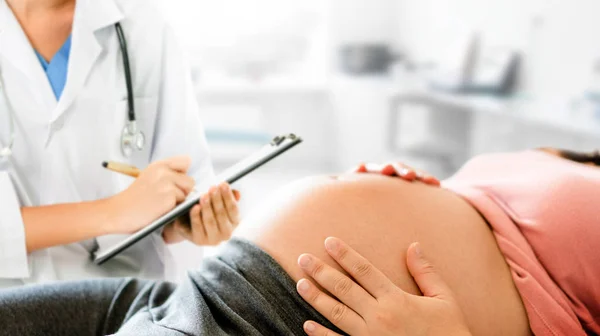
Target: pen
122,168
135,172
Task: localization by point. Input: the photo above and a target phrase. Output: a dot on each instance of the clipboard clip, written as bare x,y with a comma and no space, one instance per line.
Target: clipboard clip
281,138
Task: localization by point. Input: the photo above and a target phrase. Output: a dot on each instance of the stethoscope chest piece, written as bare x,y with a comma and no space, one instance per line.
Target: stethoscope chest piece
132,139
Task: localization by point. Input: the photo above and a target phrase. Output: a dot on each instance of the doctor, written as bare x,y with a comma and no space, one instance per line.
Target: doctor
65,107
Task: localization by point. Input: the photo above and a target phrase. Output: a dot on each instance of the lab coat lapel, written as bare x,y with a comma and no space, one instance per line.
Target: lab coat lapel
16,50
90,16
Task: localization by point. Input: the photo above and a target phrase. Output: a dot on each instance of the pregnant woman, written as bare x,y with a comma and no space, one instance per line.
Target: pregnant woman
513,236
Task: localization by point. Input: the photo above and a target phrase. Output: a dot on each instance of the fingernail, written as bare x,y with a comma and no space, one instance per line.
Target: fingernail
310,327
418,250
303,286
304,260
404,172
223,187
331,244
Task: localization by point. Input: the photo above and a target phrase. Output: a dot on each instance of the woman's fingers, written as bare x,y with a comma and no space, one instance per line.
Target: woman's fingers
392,169
429,281
404,171
313,328
361,168
384,169
369,277
338,313
336,283
428,179
398,169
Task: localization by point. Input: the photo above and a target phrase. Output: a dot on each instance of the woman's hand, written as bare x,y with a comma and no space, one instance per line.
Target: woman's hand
157,190
400,170
371,304
209,222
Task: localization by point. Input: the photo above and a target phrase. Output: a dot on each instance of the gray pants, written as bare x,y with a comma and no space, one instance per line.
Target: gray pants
241,291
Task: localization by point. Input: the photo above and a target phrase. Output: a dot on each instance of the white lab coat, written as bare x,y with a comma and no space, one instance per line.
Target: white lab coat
59,146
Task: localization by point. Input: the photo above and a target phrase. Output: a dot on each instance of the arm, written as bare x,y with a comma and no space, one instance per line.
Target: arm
370,304
157,190
47,226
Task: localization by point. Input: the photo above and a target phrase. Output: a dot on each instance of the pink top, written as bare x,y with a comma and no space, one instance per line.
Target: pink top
545,214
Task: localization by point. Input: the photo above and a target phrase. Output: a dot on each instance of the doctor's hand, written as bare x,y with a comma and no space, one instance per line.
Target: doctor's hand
210,222
400,170
157,190
370,304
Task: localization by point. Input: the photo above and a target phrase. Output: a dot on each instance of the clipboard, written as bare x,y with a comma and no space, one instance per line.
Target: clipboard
276,147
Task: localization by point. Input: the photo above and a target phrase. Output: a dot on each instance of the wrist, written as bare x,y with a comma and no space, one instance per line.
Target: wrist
112,215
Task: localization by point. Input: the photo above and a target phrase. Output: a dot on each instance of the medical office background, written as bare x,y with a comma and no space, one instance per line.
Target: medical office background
375,81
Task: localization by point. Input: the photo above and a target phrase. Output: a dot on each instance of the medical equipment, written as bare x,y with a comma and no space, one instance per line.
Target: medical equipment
131,137
277,146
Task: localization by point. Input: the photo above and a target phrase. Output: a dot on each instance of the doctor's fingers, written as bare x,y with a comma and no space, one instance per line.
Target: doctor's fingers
180,195
184,182
230,198
175,232
195,232
178,163
173,186
209,223
220,212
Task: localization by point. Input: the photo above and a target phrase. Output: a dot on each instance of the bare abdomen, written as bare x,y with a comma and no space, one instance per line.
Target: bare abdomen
380,217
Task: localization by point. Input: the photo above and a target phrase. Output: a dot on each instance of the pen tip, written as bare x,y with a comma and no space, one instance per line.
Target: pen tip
104,164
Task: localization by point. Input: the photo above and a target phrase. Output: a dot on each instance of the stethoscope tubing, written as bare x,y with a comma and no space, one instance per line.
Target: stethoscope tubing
130,129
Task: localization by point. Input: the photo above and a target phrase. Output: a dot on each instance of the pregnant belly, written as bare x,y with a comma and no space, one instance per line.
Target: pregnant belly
380,217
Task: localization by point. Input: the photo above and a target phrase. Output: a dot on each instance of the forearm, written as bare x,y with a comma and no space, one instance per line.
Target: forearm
52,225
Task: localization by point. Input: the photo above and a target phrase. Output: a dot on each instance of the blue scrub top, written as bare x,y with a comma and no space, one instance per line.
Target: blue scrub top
56,69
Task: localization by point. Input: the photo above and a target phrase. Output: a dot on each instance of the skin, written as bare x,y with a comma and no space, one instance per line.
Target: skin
368,303
380,217
159,188
374,305
47,24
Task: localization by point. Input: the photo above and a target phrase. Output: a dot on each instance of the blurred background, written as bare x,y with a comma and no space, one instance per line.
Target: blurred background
430,83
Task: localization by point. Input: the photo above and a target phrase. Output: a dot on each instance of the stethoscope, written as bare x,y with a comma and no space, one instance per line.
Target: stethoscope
131,138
